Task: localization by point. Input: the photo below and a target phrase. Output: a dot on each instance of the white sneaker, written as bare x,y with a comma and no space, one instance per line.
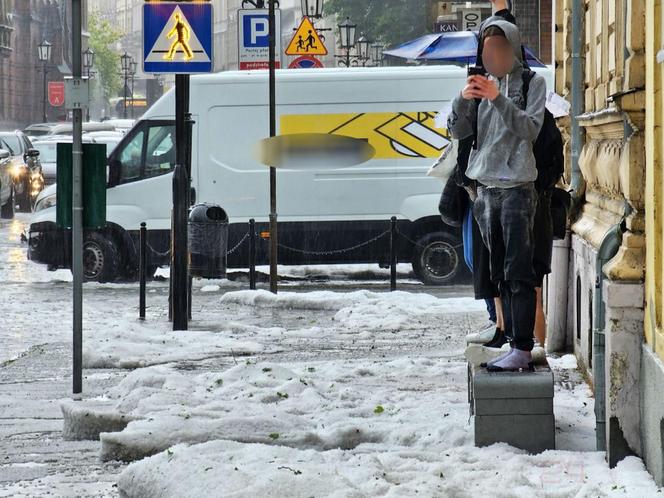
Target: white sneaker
484,335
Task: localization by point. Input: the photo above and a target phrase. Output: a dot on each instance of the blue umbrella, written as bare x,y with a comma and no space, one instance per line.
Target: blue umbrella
457,46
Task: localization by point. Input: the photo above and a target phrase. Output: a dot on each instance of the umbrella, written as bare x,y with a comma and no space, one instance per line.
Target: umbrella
456,46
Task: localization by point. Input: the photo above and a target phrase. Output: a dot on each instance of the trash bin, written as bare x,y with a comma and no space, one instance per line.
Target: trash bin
208,241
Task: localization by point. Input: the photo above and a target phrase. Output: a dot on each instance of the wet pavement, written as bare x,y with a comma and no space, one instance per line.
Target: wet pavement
35,354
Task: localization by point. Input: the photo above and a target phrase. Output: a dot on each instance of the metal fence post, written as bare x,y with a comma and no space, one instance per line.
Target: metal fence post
142,269
252,254
393,254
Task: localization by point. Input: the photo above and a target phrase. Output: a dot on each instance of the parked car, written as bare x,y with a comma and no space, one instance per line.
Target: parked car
6,185
25,169
43,130
47,146
121,125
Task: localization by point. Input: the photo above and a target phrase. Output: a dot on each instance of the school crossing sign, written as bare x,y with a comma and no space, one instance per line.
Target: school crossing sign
177,37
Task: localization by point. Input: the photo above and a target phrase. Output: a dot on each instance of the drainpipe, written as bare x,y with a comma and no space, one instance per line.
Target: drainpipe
607,250
577,90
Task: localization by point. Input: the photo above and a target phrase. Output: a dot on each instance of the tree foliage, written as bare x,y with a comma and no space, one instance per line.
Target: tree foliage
391,21
103,39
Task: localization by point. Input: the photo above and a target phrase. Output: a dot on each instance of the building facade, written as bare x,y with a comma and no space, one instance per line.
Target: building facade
24,25
609,282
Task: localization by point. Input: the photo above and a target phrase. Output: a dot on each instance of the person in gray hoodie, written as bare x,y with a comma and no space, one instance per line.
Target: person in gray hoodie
502,164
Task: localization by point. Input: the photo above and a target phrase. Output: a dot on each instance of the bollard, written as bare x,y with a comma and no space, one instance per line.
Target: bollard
252,254
142,269
191,280
393,254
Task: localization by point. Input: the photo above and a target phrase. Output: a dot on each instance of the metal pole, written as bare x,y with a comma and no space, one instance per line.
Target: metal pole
393,254
179,256
252,254
124,112
132,95
45,92
87,111
273,132
142,269
77,207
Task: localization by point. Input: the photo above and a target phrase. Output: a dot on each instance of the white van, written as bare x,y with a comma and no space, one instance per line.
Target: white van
328,215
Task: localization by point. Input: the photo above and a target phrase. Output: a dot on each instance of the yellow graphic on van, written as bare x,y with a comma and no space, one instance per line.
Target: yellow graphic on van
394,135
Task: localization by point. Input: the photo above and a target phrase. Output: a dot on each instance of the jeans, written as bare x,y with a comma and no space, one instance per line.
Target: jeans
505,217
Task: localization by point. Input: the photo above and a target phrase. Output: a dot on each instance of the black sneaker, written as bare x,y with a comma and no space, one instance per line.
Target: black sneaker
498,341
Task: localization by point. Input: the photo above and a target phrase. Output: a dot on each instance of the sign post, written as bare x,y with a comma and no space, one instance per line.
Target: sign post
77,200
177,39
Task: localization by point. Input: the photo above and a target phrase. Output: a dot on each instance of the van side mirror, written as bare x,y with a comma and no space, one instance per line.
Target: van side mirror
4,154
114,170
33,153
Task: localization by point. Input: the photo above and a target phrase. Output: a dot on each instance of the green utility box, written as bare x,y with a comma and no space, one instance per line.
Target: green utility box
93,186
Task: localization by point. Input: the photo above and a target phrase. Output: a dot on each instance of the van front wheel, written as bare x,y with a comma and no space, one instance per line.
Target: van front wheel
101,259
437,258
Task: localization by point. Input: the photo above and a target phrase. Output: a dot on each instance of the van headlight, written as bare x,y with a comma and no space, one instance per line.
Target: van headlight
46,202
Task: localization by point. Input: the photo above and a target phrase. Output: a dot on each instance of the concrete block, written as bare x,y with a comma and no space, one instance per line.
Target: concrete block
623,295
513,407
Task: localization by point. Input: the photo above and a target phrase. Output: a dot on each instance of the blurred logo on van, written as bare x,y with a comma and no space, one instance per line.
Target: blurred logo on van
400,135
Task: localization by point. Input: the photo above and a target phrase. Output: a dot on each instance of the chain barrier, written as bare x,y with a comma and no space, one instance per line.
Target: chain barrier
237,246
334,251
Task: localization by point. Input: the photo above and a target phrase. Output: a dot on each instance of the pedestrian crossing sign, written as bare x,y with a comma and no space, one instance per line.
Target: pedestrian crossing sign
306,41
177,37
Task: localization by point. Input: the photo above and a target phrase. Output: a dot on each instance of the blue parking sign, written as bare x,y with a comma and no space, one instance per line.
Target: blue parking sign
177,37
256,30
253,38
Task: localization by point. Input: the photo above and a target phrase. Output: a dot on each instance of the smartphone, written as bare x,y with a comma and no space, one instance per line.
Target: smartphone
476,71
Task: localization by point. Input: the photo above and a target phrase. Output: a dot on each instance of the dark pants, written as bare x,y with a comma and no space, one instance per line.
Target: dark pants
505,218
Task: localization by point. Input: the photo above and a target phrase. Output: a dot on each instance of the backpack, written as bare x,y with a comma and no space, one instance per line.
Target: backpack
548,147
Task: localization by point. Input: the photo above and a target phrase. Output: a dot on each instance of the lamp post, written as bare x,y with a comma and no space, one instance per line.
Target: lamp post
44,53
134,66
313,9
363,44
377,53
348,41
88,62
125,61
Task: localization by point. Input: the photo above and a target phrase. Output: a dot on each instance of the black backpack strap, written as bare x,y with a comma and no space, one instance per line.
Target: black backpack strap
477,111
527,75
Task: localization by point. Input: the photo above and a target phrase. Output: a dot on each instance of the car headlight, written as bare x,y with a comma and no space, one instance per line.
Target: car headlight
15,170
46,202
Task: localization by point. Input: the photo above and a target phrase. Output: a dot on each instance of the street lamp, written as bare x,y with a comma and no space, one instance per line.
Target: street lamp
363,44
313,9
377,53
44,53
347,41
134,66
125,62
347,34
88,62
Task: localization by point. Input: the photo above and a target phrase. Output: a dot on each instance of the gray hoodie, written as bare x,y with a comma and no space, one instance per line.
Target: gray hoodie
506,129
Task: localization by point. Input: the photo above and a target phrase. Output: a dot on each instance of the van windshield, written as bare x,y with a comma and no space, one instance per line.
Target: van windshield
150,152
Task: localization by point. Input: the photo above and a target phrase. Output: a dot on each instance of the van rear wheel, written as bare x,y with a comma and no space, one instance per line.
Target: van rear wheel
437,258
101,258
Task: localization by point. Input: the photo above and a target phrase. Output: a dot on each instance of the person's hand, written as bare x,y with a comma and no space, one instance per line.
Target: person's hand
486,88
480,87
499,4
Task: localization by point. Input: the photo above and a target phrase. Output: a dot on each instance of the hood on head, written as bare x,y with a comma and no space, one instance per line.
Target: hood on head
511,33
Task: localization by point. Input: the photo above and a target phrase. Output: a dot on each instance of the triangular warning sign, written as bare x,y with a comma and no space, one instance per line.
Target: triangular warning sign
177,42
306,41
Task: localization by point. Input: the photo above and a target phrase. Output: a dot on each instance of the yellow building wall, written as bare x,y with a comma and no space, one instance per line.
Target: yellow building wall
654,138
